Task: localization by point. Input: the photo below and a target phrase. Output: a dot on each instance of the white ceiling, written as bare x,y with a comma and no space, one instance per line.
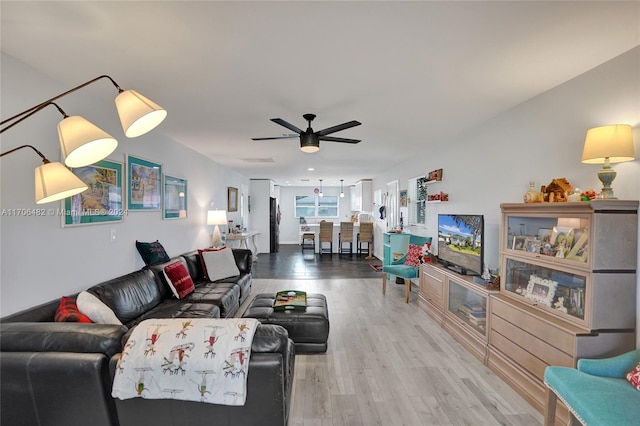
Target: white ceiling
414,73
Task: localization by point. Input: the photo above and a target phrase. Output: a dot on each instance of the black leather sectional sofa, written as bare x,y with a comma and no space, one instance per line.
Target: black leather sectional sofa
60,373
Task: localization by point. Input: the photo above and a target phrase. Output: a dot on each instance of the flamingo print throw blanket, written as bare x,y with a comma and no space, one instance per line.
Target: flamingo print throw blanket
199,359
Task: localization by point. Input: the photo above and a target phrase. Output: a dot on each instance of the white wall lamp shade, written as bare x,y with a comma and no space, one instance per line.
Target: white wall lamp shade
55,182
138,114
605,145
216,217
83,143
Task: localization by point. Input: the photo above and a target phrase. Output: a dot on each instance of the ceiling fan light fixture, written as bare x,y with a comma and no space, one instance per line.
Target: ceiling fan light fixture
309,143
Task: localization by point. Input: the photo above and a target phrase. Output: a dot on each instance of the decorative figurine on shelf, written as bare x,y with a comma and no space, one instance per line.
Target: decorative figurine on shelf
486,275
588,195
557,190
494,283
559,305
426,256
531,196
574,195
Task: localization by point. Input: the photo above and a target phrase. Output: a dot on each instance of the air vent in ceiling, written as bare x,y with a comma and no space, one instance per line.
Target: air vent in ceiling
258,160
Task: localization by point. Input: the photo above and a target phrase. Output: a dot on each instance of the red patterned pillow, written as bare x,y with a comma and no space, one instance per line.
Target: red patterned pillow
68,311
179,279
633,377
413,255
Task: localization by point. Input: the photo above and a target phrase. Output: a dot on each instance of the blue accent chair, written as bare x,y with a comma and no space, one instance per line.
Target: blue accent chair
399,269
596,393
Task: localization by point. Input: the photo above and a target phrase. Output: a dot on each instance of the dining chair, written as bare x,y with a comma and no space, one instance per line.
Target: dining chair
309,241
365,235
346,236
325,236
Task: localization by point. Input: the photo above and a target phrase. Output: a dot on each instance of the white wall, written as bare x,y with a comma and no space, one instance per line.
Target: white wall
41,260
538,140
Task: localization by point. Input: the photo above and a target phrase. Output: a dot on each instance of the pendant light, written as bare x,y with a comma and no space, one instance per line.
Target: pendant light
341,190
320,194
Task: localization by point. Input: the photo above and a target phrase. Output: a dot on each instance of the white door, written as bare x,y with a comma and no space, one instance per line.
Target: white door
391,205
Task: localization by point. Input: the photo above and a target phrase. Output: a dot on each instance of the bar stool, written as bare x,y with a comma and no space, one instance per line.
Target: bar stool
325,236
365,235
309,241
346,236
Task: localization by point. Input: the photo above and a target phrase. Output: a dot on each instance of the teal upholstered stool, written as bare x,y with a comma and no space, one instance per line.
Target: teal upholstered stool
400,269
597,393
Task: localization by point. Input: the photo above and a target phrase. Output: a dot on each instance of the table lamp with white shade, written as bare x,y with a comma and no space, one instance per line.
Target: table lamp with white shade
216,217
605,145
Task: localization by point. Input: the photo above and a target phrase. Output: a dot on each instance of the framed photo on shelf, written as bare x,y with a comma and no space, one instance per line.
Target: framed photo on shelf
174,201
232,199
544,234
143,184
561,241
576,302
532,245
541,290
580,250
519,242
102,202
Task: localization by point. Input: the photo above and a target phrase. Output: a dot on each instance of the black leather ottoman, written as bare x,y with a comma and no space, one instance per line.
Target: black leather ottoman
309,329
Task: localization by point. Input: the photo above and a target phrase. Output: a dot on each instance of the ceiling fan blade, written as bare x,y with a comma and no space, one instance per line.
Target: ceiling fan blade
276,137
339,127
334,139
289,126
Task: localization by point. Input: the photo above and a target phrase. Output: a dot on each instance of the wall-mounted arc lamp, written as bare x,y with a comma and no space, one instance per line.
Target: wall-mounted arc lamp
83,143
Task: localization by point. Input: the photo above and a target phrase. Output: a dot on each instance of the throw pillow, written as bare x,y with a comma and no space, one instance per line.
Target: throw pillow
218,263
413,255
68,311
95,309
633,377
152,253
179,279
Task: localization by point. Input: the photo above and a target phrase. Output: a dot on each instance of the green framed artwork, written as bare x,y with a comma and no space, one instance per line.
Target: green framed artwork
102,201
144,182
174,198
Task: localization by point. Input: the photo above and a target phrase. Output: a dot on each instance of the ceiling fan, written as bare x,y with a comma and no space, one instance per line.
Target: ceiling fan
310,140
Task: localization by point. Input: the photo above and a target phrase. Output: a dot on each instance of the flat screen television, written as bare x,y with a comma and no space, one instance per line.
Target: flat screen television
460,243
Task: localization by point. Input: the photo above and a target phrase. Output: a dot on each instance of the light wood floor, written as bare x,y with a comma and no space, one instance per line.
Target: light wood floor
388,363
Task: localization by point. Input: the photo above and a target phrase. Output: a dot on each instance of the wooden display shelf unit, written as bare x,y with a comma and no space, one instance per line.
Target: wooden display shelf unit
460,305
568,286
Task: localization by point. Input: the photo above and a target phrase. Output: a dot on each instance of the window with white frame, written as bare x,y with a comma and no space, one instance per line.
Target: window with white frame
314,206
416,203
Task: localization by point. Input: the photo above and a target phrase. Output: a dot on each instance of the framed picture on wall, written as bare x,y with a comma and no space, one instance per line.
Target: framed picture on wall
232,199
102,202
144,181
403,198
174,199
